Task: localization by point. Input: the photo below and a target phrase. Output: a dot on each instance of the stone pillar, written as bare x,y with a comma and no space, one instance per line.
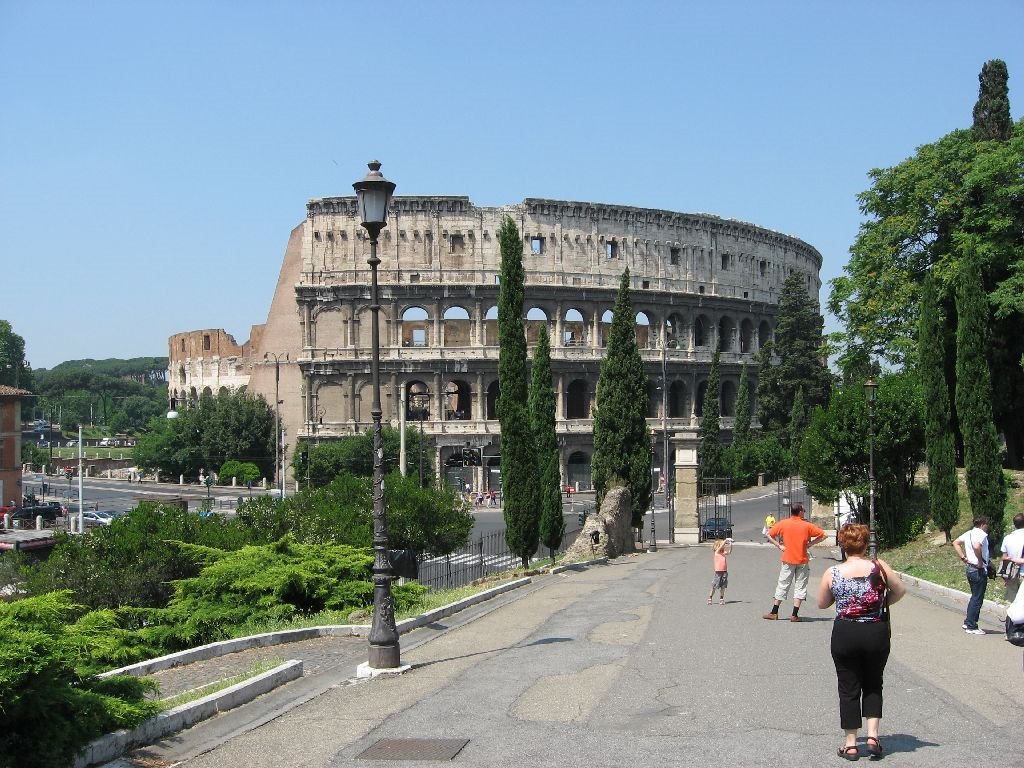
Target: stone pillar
686,491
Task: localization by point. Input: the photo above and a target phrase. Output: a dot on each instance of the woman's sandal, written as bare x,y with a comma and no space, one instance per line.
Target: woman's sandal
849,753
709,601
875,750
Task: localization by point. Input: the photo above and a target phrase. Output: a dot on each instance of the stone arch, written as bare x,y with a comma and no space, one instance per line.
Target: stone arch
746,336
698,405
678,400
536,318
222,391
577,470
328,327
415,327
492,401
644,335
207,392
417,401
727,398
458,401
605,327
726,334
491,327
331,397
457,327
577,400
701,331
764,334
574,329
653,398
675,327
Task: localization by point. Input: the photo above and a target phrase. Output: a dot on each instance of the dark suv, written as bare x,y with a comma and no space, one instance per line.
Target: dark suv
46,511
716,528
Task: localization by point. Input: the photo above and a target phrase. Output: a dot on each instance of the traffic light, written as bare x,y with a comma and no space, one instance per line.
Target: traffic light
472,457
68,472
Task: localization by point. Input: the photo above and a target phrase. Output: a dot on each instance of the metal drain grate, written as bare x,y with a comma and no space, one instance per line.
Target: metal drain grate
413,749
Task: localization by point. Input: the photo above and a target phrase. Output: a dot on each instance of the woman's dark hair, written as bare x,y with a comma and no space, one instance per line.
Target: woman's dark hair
853,538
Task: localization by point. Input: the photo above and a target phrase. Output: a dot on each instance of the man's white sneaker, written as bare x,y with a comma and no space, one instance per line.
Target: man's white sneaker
964,625
976,631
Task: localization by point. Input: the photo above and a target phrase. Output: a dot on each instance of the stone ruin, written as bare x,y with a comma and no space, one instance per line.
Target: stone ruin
607,533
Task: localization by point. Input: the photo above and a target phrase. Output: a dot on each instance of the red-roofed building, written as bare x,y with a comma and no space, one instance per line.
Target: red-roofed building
10,443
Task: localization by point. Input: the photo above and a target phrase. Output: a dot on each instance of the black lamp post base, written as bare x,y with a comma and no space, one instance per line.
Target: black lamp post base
385,657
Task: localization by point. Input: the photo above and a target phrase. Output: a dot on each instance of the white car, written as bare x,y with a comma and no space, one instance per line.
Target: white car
97,518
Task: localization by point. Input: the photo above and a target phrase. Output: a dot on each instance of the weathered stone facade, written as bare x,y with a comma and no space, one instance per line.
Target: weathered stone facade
209,361
698,280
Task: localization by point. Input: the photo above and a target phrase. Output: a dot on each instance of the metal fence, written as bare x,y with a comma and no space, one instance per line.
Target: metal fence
488,555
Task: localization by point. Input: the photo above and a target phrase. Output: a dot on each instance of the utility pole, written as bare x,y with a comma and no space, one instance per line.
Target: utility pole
278,473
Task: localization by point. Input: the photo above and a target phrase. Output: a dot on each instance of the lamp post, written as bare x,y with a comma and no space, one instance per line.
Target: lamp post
373,194
666,466
422,407
653,546
278,474
871,387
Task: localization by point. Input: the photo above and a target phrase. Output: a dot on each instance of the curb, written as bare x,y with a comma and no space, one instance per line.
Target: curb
953,599
113,745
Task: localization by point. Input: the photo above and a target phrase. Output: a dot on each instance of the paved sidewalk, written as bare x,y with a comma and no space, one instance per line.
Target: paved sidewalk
626,663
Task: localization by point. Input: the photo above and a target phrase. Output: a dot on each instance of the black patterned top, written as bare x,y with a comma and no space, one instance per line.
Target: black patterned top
859,598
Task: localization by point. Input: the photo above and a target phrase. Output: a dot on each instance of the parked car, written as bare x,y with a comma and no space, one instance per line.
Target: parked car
97,518
106,442
71,443
716,528
29,513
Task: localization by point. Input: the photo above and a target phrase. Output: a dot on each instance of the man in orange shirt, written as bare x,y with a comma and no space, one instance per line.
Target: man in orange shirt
793,537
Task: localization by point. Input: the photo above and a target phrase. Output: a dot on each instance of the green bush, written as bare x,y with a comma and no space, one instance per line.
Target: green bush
52,708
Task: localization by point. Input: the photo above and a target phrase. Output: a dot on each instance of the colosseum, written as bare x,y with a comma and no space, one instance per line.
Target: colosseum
698,280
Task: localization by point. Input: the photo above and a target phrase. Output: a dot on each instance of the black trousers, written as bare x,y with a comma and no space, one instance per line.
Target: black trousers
860,651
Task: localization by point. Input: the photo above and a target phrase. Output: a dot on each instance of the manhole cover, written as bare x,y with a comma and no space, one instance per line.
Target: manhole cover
413,749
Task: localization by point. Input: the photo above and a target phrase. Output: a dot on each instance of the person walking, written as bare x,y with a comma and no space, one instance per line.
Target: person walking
972,548
1013,558
862,590
720,552
793,537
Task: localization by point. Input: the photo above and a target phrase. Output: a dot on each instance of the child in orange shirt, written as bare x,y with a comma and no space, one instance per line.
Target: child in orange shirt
719,555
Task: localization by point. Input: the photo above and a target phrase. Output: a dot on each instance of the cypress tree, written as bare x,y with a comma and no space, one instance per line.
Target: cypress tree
797,344
985,485
542,422
622,454
798,421
518,456
992,109
709,450
741,427
943,495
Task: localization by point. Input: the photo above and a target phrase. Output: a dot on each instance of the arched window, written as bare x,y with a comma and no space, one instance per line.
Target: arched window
701,331
644,337
492,401
457,327
458,401
764,334
536,318
417,401
578,471
574,330
678,401
577,400
746,336
491,327
726,334
606,327
415,330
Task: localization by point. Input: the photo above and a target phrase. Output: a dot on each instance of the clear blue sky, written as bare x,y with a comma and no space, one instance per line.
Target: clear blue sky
154,156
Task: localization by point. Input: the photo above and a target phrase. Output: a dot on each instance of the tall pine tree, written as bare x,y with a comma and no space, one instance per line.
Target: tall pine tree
542,422
799,418
943,495
992,109
797,345
622,452
741,426
709,449
520,490
985,485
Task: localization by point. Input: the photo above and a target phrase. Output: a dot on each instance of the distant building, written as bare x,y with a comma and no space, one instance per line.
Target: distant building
10,443
697,281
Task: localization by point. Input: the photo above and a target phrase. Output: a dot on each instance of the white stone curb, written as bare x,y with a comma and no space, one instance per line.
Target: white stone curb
112,745
953,599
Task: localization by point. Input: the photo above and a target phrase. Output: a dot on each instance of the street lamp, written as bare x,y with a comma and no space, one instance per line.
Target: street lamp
422,405
653,546
373,194
278,474
872,392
